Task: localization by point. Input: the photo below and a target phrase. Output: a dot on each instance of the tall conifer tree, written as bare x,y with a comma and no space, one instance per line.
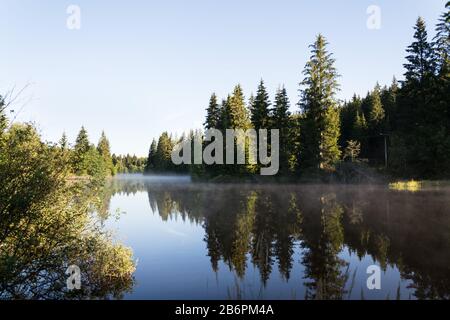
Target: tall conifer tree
320,129
280,119
104,149
151,156
212,113
80,152
441,42
420,59
237,111
260,108
377,114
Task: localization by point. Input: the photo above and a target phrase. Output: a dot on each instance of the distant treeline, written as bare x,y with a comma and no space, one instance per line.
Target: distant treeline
129,164
406,123
86,159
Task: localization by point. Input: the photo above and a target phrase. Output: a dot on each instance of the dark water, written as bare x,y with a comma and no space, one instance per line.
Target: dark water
204,241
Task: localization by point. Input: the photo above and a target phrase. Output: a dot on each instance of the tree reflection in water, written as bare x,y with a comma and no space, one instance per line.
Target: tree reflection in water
263,225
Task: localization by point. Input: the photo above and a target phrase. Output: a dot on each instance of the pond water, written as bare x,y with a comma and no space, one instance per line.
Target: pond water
233,241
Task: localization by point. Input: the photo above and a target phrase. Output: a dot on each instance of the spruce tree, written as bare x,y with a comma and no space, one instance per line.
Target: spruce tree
377,114
260,108
360,126
374,142
238,114
63,143
103,146
421,143
330,152
163,160
212,113
320,128
441,42
348,115
225,114
251,103
80,153
420,59
389,102
82,143
104,150
238,118
280,112
280,119
151,156
223,124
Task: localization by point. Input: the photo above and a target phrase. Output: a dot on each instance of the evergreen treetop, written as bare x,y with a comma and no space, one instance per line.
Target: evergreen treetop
260,108
103,146
213,113
82,144
420,55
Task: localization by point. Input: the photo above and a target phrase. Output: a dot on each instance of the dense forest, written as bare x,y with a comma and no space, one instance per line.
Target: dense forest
401,129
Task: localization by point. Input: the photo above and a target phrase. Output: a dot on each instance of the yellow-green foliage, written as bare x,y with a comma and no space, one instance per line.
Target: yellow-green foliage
411,185
46,225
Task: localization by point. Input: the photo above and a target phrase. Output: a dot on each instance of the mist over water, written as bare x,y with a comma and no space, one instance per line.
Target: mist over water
176,179
233,241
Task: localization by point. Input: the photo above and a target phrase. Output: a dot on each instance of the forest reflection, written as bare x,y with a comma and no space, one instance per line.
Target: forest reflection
262,225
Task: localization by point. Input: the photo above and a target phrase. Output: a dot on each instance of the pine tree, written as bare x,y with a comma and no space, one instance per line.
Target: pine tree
213,113
441,42
238,117
376,115
421,143
251,103
80,153
104,150
329,148
420,59
260,108
389,102
151,160
63,143
280,112
374,142
348,115
320,128
82,143
360,126
237,111
103,146
163,160
225,120
280,119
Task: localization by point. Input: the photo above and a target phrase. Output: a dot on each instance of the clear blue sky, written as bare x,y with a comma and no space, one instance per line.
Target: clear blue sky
137,68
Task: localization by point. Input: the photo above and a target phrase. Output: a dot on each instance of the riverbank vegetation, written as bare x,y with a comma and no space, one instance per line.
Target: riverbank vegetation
47,221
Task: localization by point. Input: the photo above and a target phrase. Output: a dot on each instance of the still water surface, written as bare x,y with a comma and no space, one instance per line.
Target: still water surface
228,241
